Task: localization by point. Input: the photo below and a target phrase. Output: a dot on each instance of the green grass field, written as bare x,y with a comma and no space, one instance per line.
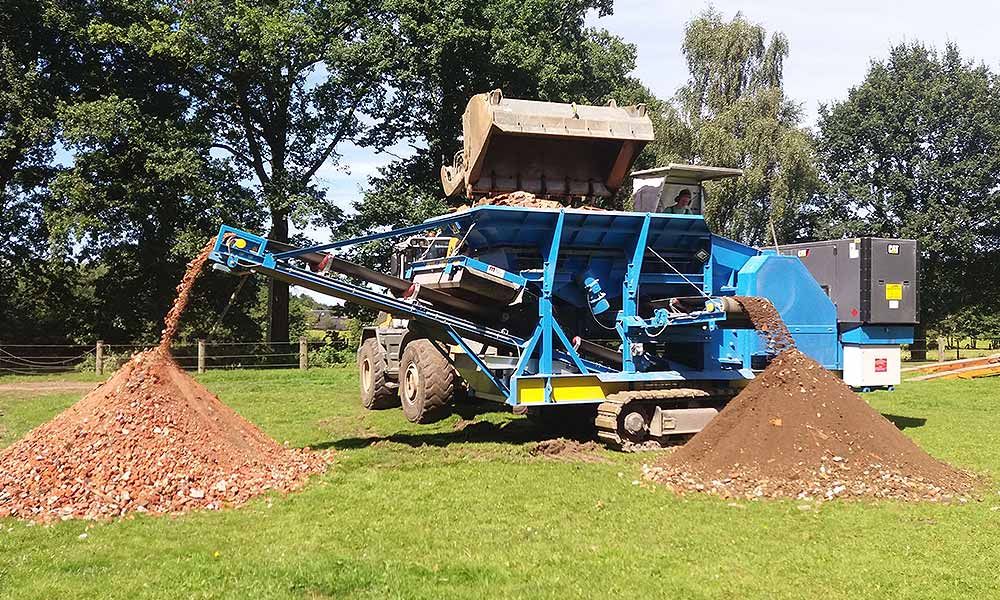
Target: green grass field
438,512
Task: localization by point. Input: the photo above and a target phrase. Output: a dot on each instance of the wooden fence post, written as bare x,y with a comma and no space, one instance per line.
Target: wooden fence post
303,353
99,358
941,346
201,356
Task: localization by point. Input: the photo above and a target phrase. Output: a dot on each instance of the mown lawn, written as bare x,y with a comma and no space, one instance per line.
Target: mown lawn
445,512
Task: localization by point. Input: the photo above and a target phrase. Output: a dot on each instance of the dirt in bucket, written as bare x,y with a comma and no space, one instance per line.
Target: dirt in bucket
149,440
798,431
522,199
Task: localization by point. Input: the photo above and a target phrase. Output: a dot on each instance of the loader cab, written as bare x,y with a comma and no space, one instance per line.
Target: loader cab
664,189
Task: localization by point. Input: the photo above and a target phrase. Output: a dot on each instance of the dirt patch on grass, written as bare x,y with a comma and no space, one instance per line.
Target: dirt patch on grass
568,450
798,431
150,439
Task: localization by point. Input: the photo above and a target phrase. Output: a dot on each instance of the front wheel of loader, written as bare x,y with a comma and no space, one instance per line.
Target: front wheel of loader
427,382
372,366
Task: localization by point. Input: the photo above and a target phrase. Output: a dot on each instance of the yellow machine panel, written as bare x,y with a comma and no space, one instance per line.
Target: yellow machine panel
580,388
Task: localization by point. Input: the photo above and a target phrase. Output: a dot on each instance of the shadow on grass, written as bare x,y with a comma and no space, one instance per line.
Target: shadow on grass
905,422
515,431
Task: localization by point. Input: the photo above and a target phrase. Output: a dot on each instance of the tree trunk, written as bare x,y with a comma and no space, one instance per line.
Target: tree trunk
277,291
918,350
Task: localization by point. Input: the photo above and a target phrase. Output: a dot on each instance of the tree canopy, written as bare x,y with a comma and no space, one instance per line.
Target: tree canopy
733,112
115,191
454,49
914,152
130,129
279,86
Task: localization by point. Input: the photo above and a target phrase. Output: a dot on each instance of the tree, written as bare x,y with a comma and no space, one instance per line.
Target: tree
914,152
281,84
733,112
451,50
105,232
26,136
141,198
33,71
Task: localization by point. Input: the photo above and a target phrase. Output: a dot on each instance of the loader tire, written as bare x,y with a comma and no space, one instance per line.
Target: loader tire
427,382
376,394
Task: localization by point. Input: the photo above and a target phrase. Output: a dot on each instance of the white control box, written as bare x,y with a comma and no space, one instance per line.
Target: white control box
871,366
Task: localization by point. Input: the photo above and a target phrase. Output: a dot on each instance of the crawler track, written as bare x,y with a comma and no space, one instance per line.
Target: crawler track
611,414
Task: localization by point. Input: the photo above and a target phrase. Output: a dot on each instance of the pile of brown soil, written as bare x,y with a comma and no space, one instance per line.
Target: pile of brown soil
798,431
570,450
150,439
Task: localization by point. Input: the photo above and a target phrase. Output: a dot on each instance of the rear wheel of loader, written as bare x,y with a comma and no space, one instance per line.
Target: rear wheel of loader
372,366
427,382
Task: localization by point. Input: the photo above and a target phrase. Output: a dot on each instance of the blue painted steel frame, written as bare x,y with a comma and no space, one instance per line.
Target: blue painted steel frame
256,257
630,293
864,335
402,231
548,327
727,353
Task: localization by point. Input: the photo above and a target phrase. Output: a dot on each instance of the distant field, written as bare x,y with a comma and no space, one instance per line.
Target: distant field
453,511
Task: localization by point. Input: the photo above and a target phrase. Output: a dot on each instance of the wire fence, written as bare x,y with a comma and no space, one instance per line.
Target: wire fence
24,359
103,358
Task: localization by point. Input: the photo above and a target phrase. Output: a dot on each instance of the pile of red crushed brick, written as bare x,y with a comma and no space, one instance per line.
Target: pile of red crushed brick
148,440
797,431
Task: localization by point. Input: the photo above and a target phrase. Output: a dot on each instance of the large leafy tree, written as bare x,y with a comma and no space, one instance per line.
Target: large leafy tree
133,194
914,152
733,112
26,135
142,196
33,75
281,85
453,49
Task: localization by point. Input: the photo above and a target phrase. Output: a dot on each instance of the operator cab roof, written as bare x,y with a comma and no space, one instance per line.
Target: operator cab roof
690,174
663,189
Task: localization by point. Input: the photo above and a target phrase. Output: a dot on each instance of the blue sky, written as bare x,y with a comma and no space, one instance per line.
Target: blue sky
831,46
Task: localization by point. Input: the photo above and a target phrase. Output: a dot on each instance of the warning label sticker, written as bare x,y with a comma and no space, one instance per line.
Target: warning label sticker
894,291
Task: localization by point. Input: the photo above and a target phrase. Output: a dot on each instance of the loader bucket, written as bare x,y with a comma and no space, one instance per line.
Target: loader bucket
553,150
